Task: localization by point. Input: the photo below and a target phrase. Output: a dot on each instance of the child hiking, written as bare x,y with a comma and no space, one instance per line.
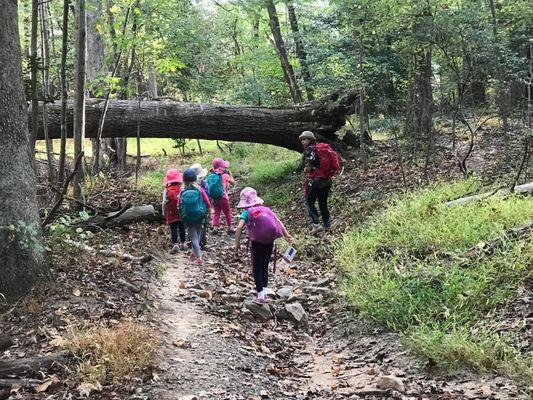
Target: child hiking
218,182
170,207
321,164
263,229
201,173
194,211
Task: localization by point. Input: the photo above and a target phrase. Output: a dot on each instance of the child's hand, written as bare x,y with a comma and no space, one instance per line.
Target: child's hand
288,238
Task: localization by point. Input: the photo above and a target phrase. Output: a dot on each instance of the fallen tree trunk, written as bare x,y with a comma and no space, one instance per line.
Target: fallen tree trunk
32,366
524,189
130,215
166,119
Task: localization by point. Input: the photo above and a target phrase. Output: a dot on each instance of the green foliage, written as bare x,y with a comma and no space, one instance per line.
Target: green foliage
26,236
64,228
408,270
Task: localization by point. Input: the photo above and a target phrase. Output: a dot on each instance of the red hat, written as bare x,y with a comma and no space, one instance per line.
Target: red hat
173,176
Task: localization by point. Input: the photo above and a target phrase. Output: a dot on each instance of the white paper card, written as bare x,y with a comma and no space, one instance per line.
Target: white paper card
289,254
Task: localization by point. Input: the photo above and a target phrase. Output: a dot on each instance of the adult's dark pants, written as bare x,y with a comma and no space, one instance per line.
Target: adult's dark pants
261,254
174,228
319,191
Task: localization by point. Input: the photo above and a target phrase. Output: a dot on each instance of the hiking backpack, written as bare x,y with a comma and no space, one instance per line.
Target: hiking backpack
192,206
263,227
216,189
172,203
328,161
205,186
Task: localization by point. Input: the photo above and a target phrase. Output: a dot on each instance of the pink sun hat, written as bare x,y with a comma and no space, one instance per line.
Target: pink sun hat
248,198
173,176
220,163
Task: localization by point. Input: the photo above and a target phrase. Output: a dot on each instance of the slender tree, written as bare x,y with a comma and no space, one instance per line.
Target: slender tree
21,254
79,101
95,63
34,68
63,82
279,45
45,55
300,50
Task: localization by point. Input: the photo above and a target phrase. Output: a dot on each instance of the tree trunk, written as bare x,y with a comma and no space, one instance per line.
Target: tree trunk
45,55
286,66
279,127
79,102
63,79
95,63
21,253
420,99
33,72
300,50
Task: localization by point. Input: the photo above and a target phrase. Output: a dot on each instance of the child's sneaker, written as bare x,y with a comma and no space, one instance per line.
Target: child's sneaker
231,231
199,262
175,248
259,300
192,256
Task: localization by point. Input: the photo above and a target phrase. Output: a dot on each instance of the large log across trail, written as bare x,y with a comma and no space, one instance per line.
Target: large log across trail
170,119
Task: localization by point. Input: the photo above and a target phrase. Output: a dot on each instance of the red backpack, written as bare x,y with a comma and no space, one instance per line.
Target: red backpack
329,163
172,205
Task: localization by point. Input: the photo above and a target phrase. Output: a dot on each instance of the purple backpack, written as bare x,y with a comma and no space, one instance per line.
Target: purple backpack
263,227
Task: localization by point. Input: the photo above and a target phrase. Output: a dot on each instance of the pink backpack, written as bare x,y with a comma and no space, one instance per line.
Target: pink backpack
263,226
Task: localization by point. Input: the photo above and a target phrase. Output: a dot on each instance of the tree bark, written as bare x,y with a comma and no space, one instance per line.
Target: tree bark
286,66
279,127
419,118
300,51
63,79
32,366
79,102
95,63
33,71
45,54
21,253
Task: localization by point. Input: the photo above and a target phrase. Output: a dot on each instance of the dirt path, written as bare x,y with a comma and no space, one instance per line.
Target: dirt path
215,347
199,358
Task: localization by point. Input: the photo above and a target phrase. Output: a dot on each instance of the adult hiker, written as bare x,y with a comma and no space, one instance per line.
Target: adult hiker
263,228
218,181
321,164
172,183
194,211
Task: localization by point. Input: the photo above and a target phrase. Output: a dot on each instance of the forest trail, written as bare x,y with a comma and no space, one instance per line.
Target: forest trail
213,347
197,359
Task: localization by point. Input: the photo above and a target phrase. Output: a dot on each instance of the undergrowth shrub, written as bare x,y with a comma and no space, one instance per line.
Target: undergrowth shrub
408,269
117,351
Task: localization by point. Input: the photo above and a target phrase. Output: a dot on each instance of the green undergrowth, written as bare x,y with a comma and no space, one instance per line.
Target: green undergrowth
410,269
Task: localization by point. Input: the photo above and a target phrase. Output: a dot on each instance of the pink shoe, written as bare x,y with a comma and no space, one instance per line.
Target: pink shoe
258,300
199,261
192,256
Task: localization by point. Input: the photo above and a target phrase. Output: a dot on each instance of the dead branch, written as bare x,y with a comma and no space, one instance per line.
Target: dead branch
110,253
61,196
525,189
31,366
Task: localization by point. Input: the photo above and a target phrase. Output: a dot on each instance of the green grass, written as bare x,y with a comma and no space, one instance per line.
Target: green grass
407,269
151,146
